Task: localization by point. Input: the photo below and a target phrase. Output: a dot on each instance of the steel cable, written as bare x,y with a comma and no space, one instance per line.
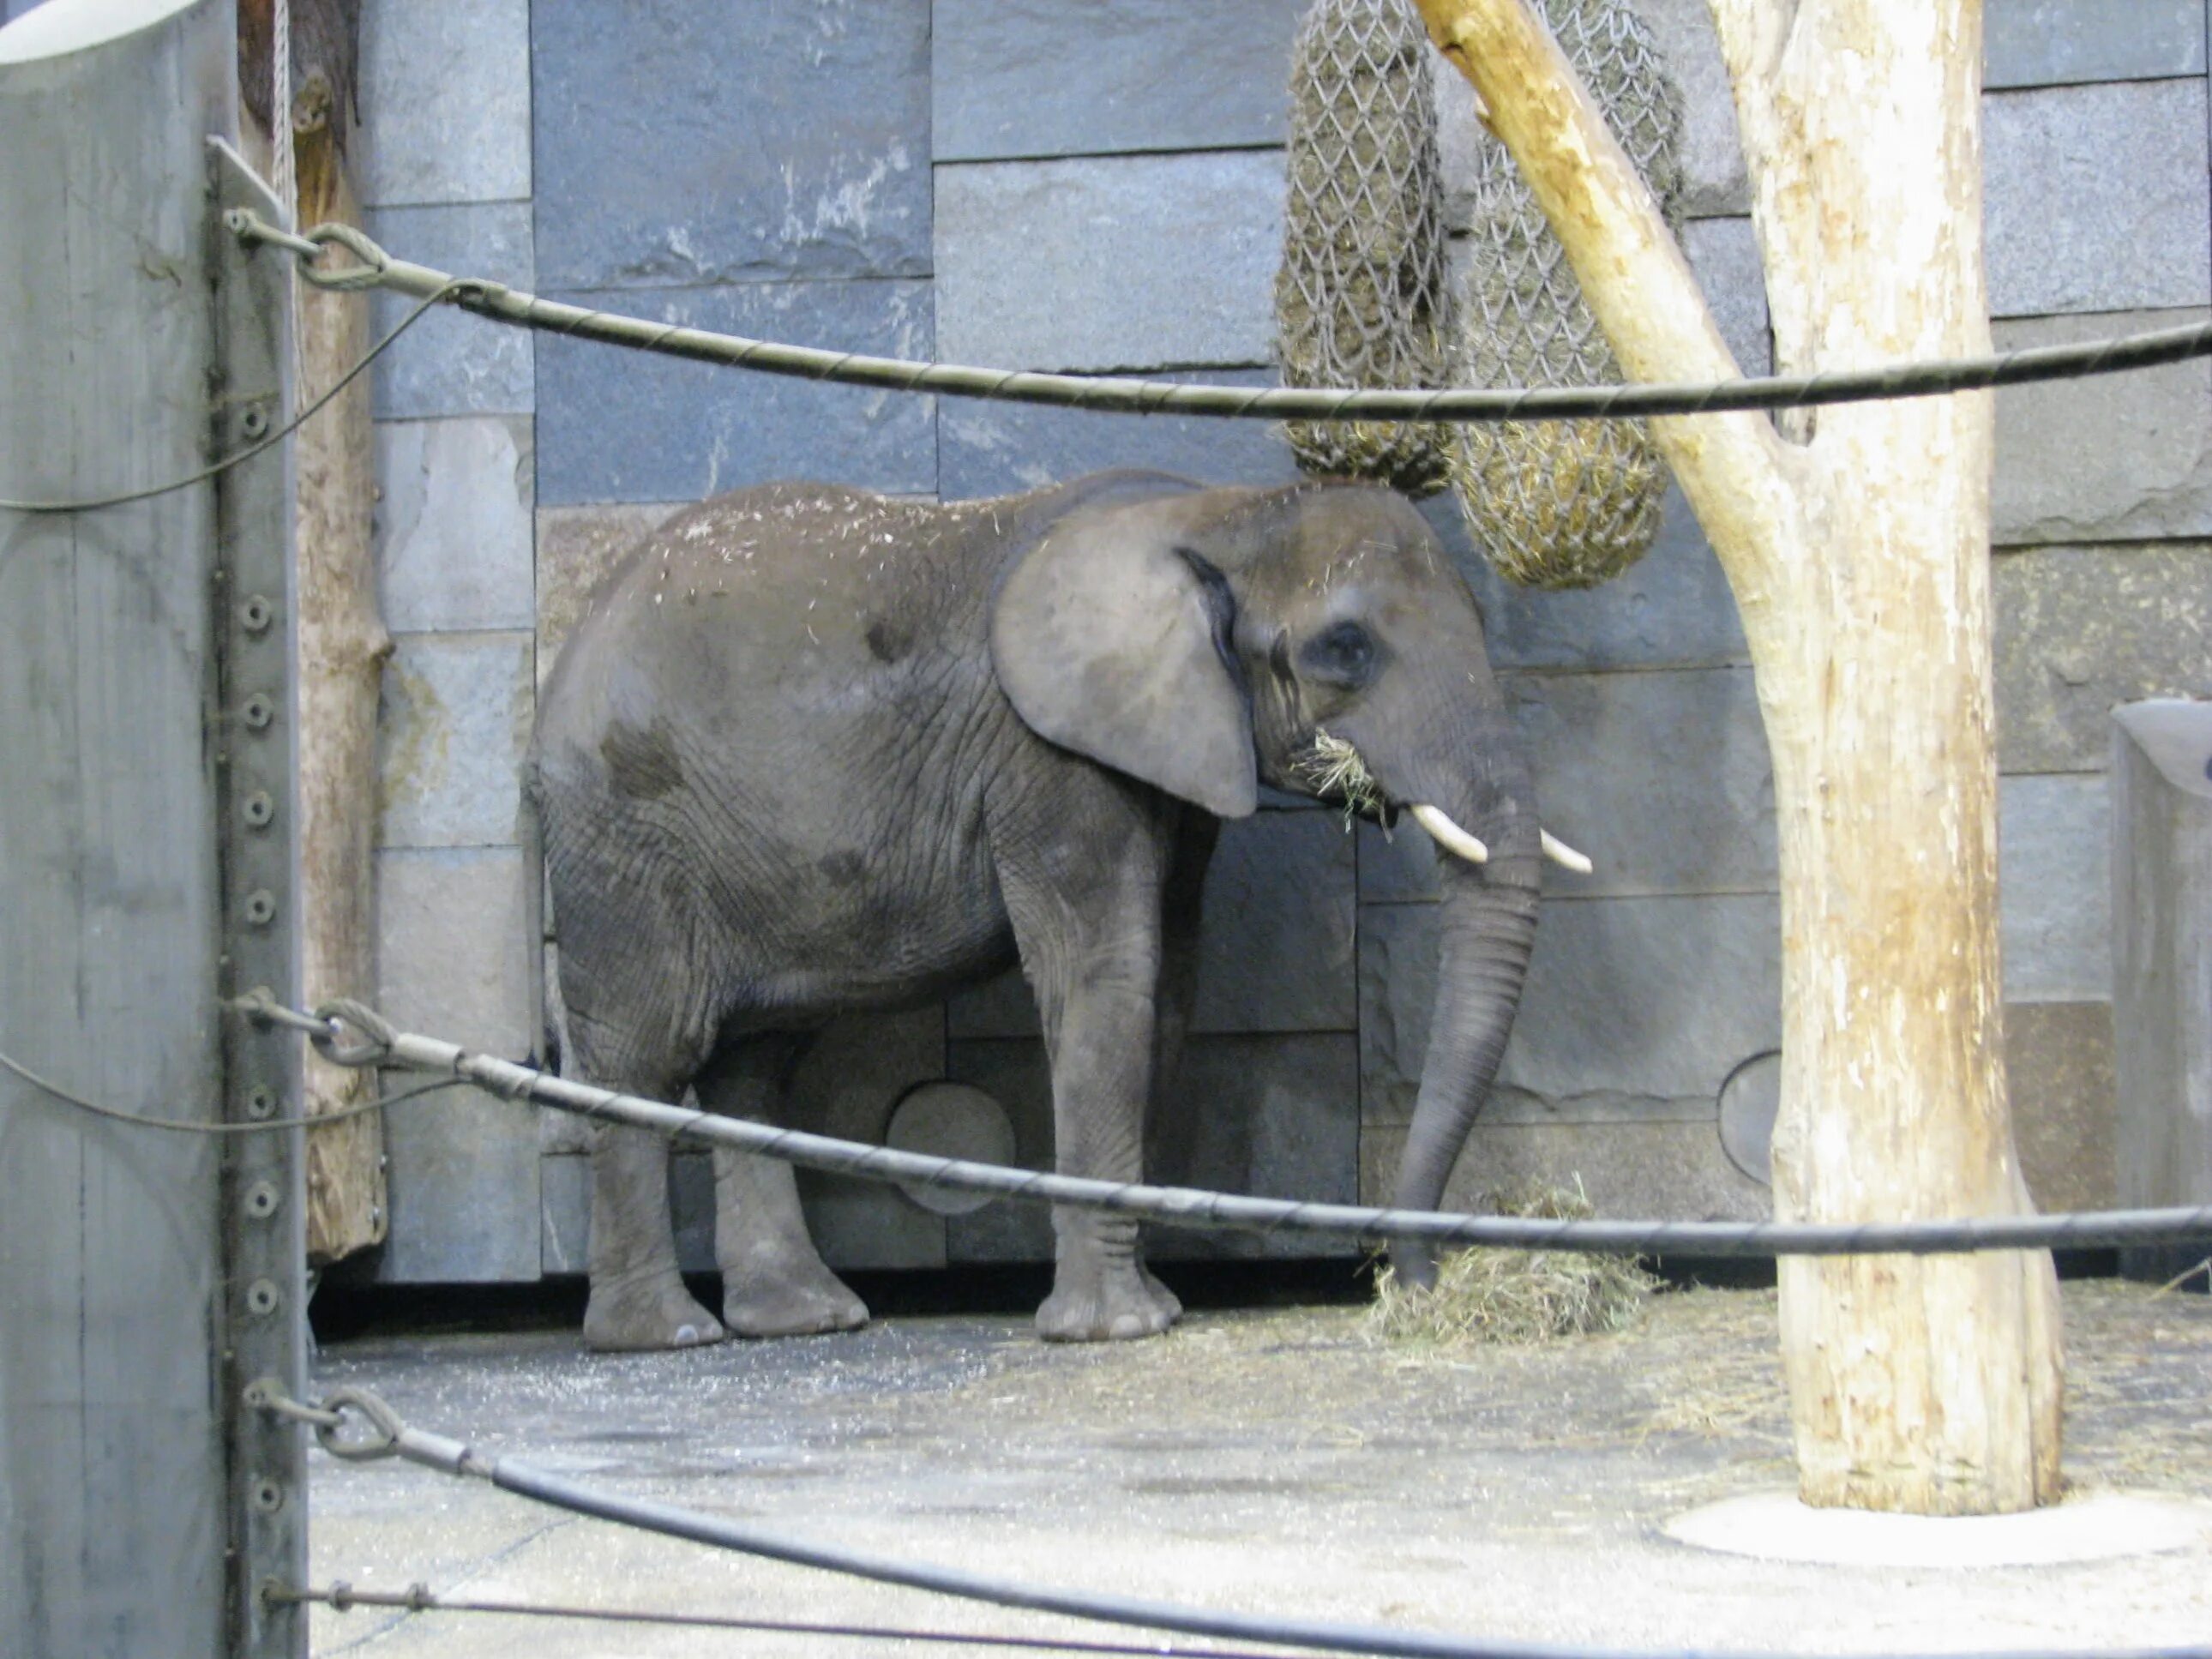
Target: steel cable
379,1044
503,304
419,1598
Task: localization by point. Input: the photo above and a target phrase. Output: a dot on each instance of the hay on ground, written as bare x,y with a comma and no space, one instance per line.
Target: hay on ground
1491,1296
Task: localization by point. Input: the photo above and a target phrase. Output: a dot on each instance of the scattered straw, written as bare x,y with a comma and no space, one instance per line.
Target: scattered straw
1513,1296
1334,769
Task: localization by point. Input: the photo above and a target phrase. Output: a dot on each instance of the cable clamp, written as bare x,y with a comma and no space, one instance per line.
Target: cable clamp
367,273
385,1427
376,1039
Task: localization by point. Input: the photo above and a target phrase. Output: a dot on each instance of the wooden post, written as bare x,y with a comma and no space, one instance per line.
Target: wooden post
141,1272
1857,549
343,642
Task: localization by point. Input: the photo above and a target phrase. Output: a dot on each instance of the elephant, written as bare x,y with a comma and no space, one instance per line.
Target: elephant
812,750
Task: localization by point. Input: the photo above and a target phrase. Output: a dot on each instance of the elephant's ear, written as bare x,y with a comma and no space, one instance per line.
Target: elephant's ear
1112,641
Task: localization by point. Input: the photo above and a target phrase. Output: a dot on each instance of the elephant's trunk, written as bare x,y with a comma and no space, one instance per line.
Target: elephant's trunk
1486,929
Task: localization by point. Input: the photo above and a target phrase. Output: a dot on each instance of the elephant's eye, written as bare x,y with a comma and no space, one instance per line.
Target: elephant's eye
1343,654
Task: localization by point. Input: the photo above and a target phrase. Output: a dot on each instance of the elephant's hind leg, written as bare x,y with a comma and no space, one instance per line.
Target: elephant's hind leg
774,1282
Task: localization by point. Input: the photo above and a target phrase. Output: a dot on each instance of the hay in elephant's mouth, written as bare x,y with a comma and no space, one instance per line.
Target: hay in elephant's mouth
1332,770
1485,1295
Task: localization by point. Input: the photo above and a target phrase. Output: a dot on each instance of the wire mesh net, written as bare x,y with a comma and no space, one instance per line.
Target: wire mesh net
1561,504
1363,296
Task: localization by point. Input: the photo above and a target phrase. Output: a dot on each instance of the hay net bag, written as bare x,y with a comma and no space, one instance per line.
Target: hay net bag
1560,504
1363,296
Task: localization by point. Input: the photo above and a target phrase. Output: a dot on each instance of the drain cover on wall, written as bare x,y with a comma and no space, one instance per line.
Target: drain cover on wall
950,1119
1749,1100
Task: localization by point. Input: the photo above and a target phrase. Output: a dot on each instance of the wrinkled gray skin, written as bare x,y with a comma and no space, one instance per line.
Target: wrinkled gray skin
814,751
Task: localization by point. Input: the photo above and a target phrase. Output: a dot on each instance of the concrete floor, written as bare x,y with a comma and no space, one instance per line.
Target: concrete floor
1271,1462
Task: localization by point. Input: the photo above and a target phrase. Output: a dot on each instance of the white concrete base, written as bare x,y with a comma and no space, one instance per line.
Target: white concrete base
1775,1527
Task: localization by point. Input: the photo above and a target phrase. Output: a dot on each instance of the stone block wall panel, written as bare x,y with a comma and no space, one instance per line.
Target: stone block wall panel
1016,79
686,142
1109,262
464,1174
1014,1073
2082,629
1635,1008
2097,197
1275,950
2058,1059
997,449
445,101
621,426
1673,608
2054,894
1663,778
2049,43
2109,458
451,363
454,725
1660,1171
454,534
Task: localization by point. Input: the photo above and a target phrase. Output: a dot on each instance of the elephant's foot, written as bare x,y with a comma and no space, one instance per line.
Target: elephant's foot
1094,1304
788,1300
646,1314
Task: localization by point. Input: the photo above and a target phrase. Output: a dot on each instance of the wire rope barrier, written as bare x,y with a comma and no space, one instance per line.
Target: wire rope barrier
349,1033
497,301
343,1597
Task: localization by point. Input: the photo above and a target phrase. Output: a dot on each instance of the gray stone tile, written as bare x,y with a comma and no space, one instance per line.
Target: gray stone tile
2107,457
997,449
1713,182
451,363
1671,609
2080,629
1013,78
2096,197
464,1165
2045,43
621,426
445,101
1276,1116
2059,1064
1674,1171
860,1067
1723,256
453,523
451,736
1662,778
1637,1007
2054,852
1275,949
731,140
1127,262
578,548
1001,1007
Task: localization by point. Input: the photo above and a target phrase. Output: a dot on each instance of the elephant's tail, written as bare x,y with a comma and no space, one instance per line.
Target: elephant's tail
536,933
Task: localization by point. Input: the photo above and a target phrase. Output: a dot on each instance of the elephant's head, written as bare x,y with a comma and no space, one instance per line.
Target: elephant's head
1316,638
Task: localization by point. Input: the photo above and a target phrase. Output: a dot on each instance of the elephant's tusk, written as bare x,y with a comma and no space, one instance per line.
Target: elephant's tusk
1560,853
1450,836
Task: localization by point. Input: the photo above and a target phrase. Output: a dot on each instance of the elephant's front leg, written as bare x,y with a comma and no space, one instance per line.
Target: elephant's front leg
1091,944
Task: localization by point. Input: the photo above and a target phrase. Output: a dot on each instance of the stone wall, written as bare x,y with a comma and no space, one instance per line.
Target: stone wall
1099,187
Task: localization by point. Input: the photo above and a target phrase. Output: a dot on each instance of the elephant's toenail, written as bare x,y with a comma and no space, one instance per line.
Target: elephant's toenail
686,1335
1126,1324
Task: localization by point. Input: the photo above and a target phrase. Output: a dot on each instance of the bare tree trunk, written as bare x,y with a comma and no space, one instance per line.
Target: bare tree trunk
342,641
1858,555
